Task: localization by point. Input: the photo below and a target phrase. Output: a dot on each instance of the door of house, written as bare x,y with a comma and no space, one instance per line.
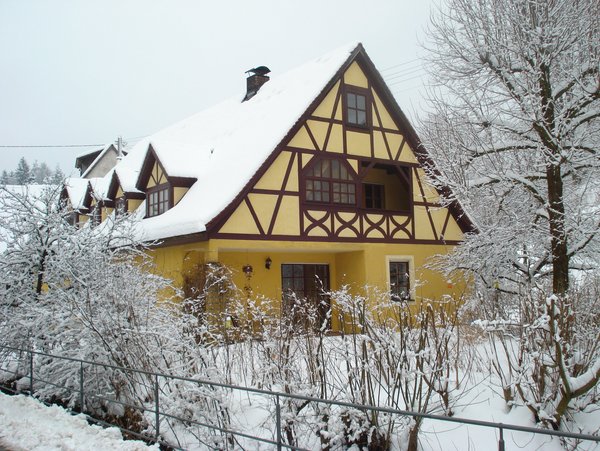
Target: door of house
305,299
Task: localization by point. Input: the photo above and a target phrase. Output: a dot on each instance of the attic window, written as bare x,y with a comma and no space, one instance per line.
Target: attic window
158,200
357,108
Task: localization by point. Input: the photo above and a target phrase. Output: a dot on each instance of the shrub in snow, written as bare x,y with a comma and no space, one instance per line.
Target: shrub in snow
549,361
393,354
91,294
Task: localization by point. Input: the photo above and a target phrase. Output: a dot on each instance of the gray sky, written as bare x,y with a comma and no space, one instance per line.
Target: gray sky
84,72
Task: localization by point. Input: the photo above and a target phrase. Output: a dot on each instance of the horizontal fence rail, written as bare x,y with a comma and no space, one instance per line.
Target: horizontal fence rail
278,442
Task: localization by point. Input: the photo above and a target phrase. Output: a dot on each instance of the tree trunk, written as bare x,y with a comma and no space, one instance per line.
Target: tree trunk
558,237
40,275
413,436
554,181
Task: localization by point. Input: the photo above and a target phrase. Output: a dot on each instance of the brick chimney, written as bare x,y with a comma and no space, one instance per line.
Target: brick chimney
256,78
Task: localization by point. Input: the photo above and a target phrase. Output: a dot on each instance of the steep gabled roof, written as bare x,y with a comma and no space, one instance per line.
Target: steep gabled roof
75,189
224,146
123,178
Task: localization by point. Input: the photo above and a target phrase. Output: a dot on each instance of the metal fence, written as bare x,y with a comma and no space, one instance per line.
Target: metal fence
29,383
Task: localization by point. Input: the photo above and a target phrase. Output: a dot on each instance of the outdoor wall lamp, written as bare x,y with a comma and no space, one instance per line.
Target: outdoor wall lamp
247,269
268,262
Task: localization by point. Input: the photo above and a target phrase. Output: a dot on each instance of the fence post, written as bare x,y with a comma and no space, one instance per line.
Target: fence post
156,407
31,372
278,421
501,439
81,397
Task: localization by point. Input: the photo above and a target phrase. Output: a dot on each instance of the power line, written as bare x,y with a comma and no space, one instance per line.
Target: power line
55,146
397,82
400,64
49,146
404,73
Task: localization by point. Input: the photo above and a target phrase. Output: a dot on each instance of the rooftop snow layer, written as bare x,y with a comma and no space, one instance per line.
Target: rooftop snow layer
76,188
223,146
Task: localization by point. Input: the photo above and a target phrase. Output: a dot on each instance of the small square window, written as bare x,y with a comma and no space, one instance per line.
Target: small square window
357,109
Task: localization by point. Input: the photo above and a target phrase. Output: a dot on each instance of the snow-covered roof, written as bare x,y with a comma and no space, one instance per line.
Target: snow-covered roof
127,178
99,186
90,153
224,146
76,189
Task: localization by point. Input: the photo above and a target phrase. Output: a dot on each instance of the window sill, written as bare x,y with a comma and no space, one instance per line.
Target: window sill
358,128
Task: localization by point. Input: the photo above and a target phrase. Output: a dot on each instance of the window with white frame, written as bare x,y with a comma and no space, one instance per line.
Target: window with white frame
399,273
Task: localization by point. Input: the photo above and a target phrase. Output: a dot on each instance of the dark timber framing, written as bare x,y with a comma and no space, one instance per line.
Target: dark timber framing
393,227
169,183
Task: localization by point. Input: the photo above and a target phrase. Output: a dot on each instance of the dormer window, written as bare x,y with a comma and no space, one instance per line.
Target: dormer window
96,216
357,108
158,200
120,206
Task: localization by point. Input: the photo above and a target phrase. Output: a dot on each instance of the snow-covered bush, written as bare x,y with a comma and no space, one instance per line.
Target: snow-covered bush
91,294
389,354
402,355
548,358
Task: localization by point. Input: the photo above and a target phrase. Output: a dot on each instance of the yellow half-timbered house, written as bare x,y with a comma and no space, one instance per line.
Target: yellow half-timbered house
313,180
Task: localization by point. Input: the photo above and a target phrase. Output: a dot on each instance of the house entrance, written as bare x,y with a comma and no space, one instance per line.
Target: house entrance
305,302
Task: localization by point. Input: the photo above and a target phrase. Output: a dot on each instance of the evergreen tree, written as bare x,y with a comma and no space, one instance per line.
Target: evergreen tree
58,177
23,174
41,173
33,171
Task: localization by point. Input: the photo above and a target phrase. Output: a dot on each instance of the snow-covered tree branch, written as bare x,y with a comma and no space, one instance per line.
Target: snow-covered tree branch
515,132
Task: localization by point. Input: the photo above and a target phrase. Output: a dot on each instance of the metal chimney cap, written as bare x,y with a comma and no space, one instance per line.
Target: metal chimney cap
260,70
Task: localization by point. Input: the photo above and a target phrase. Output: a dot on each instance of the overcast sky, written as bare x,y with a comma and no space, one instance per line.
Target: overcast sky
85,72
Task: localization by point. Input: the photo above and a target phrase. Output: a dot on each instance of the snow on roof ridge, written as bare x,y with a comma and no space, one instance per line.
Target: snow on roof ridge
89,152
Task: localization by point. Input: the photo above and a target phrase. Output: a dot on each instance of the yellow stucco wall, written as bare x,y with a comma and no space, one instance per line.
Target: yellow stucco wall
133,204
361,267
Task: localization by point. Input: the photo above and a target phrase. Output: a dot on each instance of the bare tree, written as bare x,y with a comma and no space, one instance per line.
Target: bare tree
515,132
516,128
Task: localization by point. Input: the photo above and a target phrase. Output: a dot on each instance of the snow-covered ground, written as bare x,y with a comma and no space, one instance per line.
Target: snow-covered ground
26,424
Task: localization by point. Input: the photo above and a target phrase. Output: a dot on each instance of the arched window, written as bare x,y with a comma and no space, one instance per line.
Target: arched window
330,181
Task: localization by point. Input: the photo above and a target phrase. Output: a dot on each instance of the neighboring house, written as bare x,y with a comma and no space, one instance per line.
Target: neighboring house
97,163
311,181
86,196
73,195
